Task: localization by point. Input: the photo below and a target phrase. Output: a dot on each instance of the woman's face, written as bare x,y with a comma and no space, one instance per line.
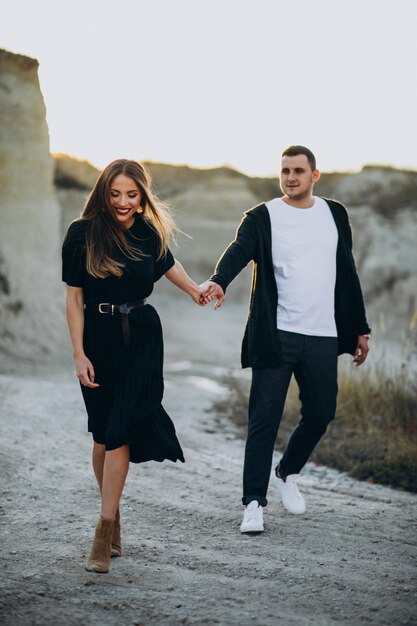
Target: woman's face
125,198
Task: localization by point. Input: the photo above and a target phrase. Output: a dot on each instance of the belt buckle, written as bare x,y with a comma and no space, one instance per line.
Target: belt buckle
103,304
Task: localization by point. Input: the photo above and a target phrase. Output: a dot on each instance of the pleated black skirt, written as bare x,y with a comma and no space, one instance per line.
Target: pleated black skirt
126,409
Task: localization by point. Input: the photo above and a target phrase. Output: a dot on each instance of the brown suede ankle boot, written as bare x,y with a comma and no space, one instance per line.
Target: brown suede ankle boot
99,558
116,542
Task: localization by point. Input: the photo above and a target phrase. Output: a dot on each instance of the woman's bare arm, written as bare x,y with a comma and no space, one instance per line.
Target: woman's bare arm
179,277
75,318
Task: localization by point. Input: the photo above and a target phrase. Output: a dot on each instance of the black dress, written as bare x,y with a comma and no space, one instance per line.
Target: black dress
126,408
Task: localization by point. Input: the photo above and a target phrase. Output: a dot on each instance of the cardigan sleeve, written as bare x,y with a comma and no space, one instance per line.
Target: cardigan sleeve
362,325
238,254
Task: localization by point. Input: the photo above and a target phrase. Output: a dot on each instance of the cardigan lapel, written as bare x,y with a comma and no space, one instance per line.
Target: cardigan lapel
342,246
266,230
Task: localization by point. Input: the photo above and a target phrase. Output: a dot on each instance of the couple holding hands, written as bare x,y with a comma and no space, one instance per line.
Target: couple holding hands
306,308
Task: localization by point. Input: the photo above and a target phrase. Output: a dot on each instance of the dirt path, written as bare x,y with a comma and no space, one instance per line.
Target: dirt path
348,560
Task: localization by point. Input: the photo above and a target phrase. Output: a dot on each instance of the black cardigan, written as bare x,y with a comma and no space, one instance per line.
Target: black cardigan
261,347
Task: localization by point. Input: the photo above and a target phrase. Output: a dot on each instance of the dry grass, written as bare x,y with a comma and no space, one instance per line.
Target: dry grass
374,435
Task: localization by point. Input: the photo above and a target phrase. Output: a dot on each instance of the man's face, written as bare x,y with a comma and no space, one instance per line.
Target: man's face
297,178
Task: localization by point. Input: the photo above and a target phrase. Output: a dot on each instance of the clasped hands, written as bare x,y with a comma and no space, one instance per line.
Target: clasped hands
207,292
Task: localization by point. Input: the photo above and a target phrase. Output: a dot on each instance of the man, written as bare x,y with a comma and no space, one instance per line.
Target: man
306,307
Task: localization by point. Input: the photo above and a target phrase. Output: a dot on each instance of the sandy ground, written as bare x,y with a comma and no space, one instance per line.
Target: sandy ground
349,560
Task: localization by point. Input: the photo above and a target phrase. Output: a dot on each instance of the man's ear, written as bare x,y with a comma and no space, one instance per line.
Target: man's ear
316,175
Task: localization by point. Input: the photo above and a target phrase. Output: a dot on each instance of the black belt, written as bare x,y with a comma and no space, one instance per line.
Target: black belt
123,309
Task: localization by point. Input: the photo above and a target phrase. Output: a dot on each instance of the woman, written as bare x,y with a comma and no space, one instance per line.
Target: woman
112,256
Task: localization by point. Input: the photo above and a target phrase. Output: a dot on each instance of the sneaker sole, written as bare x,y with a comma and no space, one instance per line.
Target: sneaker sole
294,512
252,529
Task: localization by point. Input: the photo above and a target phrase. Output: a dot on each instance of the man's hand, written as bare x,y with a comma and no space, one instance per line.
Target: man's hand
212,290
361,351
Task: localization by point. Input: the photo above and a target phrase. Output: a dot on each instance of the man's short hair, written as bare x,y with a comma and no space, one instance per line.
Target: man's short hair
296,150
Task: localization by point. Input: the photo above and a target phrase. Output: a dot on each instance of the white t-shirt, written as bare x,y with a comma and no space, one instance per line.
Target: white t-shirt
304,243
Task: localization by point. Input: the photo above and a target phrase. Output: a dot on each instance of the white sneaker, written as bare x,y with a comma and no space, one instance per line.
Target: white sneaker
253,518
291,498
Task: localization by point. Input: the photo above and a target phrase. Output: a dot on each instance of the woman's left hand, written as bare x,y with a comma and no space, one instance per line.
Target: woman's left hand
198,295
212,290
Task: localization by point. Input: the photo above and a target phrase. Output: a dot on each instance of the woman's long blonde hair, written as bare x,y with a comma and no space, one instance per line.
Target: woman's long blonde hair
104,232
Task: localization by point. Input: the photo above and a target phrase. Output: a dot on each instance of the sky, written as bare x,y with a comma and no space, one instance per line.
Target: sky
214,82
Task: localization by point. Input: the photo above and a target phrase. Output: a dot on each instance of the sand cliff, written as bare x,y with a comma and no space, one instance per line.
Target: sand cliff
30,311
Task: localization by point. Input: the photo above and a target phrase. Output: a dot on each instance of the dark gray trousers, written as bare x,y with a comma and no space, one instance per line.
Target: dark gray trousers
313,361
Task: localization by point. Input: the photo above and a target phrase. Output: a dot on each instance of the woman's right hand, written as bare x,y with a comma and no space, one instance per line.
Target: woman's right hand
84,371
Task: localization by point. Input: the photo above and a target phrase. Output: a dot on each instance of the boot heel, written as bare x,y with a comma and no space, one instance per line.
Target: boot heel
116,542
